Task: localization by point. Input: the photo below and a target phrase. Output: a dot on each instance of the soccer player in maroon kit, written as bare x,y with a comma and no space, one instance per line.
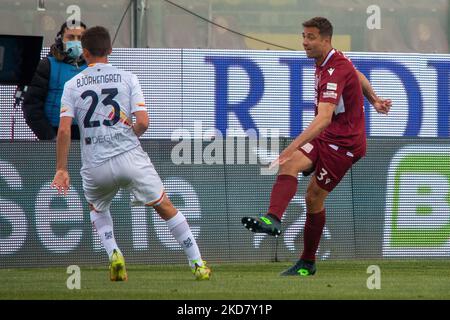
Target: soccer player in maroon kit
329,146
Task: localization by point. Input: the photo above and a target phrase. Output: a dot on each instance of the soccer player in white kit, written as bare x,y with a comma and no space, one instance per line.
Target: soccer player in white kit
104,99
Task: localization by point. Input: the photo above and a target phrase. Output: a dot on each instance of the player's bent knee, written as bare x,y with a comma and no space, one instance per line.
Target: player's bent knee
165,208
311,199
296,164
290,167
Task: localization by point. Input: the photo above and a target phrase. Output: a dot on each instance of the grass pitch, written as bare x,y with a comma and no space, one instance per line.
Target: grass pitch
343,279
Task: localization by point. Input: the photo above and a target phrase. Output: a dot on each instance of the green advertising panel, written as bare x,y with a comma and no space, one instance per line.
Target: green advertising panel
402,199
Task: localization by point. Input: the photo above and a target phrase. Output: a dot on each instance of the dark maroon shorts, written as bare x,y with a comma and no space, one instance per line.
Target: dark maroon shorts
330,162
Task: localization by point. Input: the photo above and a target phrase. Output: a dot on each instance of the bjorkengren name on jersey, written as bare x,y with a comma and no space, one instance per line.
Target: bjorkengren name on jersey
104,78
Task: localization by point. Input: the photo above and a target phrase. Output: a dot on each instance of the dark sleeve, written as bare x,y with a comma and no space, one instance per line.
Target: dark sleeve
33,106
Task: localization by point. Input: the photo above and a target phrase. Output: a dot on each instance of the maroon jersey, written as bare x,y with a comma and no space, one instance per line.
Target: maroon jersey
337,82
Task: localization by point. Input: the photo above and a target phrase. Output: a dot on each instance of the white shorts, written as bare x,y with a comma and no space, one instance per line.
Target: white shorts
132,171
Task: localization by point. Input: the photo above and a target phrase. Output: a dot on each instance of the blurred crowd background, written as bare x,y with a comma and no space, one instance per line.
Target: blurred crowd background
405,25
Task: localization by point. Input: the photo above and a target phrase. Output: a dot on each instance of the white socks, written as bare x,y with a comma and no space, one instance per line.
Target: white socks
179,228
104,225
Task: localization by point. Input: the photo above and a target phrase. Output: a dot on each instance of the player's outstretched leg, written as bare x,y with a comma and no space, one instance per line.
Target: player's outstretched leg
178,226
283,191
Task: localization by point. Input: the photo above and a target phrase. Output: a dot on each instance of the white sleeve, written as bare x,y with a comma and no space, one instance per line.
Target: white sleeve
137,97
67,103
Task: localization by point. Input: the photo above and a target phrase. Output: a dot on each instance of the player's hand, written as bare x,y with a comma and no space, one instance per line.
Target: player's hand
284,156
61,181
382,105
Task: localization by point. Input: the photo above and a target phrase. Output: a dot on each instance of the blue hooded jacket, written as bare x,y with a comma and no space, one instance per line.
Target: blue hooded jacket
60,73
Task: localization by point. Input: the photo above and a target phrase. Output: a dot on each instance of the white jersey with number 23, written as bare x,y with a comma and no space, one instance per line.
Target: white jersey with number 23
103,98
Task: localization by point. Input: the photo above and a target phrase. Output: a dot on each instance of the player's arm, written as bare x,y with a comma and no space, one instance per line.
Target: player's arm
61,180
138,108
141,123
319,123
380,105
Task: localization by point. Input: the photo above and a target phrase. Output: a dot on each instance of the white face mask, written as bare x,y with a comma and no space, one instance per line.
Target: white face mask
73,49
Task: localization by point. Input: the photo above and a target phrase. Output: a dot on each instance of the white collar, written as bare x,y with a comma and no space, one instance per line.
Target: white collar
332,51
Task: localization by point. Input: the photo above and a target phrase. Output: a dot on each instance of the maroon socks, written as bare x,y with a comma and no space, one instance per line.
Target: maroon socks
283,191
311,234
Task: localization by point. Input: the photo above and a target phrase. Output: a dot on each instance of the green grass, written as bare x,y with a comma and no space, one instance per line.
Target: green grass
343,279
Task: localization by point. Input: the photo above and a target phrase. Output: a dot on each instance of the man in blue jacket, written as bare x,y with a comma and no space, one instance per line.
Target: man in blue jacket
42,101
